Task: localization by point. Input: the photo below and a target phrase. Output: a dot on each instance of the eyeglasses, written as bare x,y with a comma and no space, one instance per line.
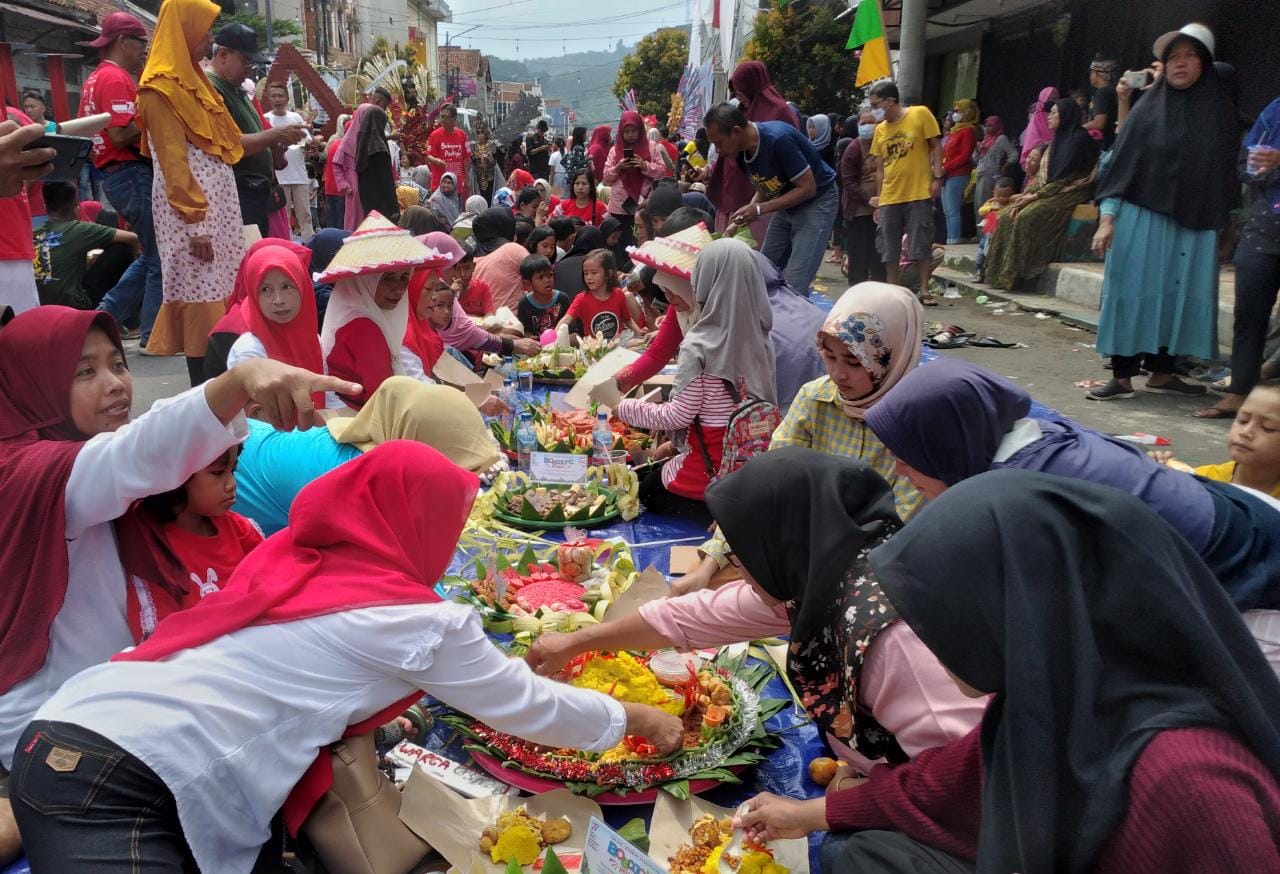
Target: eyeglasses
138,39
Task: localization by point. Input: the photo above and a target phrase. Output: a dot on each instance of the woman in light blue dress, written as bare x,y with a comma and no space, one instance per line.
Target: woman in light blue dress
1165,198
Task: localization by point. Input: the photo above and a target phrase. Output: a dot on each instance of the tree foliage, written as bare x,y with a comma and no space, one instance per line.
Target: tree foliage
281,28
803,46
653,69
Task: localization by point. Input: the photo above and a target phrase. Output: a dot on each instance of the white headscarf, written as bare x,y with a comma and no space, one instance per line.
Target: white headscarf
881,325
730,339
352,299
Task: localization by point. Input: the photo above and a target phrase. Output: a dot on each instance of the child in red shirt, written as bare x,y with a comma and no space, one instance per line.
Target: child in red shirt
602,308
208,541
474,295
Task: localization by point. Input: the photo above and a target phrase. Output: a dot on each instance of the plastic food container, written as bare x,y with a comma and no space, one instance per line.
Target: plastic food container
672,668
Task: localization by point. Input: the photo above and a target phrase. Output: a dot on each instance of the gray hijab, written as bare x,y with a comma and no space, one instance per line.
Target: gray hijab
447,206
730,340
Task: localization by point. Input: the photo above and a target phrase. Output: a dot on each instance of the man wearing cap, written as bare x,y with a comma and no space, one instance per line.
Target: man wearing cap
235,53
126,173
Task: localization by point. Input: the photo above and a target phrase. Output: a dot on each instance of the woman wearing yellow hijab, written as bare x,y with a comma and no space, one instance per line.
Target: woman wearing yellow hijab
957,164
275,465
194,142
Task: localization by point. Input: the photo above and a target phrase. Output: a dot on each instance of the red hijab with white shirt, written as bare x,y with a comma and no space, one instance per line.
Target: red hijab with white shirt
39,359
296,342
389,546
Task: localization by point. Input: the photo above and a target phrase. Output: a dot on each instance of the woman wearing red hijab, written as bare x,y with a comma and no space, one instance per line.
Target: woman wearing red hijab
630,170
70,464
727,187
331,626
598,151
422,343
232,325
279,311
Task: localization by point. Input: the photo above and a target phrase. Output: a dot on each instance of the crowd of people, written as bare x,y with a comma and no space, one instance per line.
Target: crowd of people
1012,680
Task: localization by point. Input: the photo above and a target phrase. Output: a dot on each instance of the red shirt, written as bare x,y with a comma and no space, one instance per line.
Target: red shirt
452,149
477,298
15,213
360,354
606,317
110,89
208,562
331,184
570,209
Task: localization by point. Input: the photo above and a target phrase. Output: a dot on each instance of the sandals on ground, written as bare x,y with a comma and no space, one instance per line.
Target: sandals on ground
1215,412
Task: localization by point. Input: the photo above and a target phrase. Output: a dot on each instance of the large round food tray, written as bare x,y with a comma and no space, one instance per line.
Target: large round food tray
538,785
528,524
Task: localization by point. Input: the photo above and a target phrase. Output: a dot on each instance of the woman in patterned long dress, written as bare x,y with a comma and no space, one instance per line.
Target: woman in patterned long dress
194,143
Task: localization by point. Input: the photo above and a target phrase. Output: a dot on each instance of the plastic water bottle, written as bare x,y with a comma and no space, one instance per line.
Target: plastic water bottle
509,368
508,396
601,441
526,440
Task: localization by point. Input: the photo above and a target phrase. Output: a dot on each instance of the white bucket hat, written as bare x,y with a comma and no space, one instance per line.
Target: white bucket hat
1197,32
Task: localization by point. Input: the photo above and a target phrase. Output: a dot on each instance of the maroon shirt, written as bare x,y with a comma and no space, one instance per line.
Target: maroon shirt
1199,801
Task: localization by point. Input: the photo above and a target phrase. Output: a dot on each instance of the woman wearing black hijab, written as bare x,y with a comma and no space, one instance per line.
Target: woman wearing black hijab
377,178
1135,726
498,256
569,268
1031,230
802,524
1166,196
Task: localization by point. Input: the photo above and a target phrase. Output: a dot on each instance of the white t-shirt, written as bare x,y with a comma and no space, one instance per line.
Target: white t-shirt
231,726
555,164
296,171
154,453
245,347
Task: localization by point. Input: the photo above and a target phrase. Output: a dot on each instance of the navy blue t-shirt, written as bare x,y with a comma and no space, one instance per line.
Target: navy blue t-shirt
782,157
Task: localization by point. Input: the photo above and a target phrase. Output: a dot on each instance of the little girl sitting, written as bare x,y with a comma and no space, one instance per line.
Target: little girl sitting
602,309
202,542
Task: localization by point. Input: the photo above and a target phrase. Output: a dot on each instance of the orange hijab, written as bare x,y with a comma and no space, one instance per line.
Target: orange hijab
172,74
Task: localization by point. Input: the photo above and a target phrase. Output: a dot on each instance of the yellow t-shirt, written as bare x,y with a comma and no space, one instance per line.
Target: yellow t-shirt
1223,473
903,148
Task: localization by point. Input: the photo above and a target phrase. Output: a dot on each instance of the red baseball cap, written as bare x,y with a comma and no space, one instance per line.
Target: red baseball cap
115,25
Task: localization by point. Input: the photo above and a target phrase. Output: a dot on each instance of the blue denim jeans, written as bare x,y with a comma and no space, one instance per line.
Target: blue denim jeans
953,206
335,211
805,230
139,292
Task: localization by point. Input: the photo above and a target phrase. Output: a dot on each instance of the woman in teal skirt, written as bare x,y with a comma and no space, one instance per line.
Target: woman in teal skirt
1164,199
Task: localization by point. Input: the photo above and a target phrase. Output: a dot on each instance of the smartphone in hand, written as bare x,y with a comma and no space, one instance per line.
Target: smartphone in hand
71,153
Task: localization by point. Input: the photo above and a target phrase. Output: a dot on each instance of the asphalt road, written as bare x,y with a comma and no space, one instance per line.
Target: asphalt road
1055,358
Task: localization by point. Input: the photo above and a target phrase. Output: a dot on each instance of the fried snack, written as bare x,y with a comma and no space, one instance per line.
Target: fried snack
708,835
517,835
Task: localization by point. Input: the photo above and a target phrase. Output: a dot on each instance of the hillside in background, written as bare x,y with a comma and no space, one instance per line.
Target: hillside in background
582,80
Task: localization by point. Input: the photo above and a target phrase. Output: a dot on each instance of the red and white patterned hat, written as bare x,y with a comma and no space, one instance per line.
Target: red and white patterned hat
378,246
675,254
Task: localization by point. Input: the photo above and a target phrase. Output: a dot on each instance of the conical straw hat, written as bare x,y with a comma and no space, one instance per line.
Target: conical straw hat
378,246
675,254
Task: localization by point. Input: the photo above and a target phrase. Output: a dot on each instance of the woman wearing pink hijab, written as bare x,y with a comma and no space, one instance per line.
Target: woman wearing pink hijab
1038,132
629,171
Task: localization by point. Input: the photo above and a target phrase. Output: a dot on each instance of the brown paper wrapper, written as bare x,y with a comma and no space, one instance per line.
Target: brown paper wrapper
670,829
452,824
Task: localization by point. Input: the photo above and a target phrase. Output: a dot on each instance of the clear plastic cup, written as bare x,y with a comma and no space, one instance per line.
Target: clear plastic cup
1252,163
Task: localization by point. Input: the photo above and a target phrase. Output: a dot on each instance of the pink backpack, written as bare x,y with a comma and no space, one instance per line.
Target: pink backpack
749,432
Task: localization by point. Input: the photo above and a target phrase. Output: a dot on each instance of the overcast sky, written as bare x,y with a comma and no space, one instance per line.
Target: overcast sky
519,29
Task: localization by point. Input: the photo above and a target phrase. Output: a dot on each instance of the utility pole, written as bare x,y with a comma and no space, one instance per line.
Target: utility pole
911,51
452,83
270,36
